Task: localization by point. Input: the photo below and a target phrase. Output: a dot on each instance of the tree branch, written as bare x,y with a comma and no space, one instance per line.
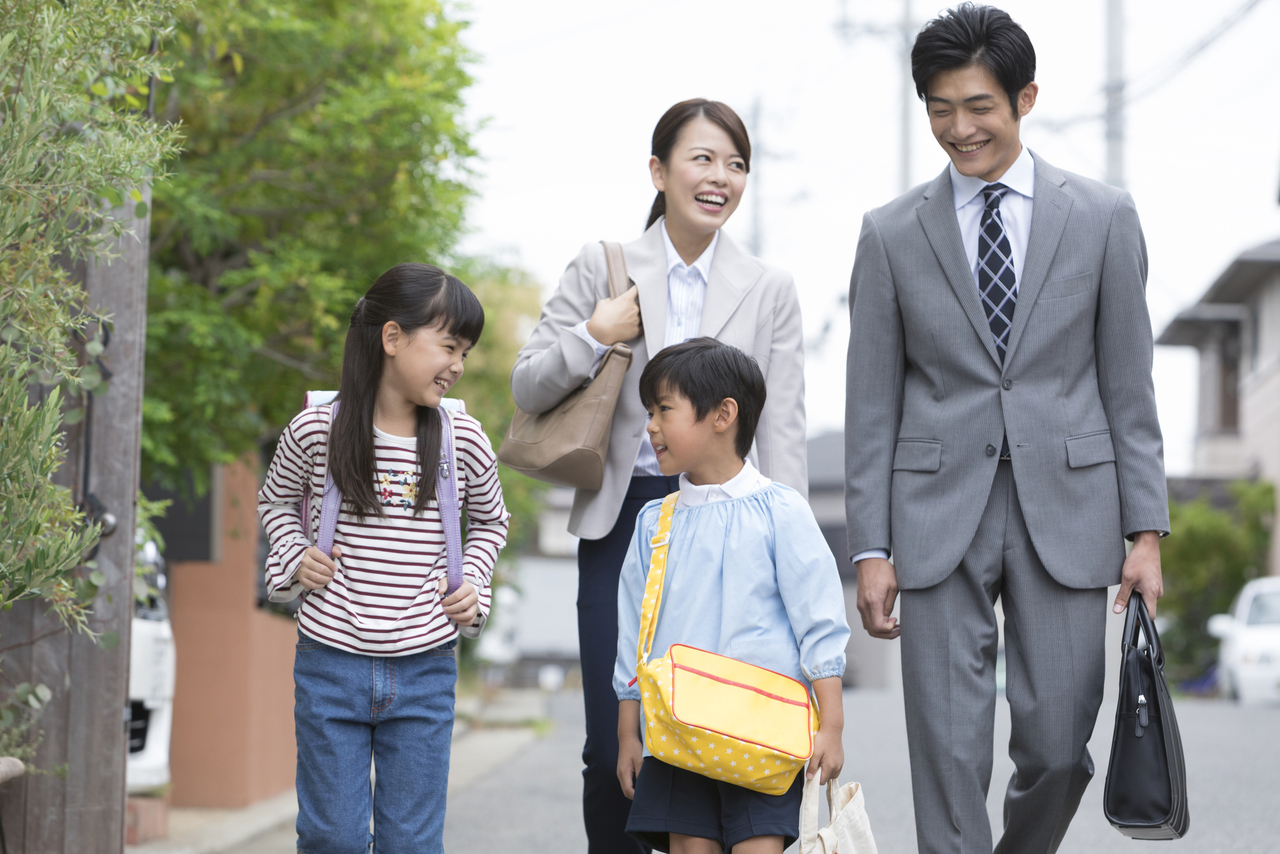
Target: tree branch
289,362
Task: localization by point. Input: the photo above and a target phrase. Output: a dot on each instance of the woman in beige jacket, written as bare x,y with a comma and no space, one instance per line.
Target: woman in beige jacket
688,279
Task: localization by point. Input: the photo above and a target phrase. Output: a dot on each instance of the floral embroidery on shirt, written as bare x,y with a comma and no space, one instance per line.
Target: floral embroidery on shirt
398,488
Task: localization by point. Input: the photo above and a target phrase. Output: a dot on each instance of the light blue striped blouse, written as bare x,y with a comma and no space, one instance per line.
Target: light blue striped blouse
748,577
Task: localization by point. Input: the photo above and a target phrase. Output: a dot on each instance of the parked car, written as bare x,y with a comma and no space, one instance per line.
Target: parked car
152,667
1249,658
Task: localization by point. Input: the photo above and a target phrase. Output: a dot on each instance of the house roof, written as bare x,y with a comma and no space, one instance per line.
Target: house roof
1192,324
1222,302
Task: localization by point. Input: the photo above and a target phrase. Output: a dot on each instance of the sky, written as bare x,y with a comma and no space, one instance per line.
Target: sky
567,92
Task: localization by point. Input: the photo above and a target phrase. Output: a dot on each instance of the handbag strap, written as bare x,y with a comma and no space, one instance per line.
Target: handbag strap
1137,619
654,582
447,501
616,263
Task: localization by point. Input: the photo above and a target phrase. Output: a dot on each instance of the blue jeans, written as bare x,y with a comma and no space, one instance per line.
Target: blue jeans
397,710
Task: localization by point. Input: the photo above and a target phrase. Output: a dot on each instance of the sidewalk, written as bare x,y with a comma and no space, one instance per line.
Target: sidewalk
484,737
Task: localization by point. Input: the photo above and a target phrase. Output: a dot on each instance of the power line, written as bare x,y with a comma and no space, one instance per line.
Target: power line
1163,73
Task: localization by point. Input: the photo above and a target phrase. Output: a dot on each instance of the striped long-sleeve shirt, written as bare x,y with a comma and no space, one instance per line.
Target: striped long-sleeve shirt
384,598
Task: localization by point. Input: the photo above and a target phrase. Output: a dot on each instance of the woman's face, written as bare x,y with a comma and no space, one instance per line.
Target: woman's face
703,179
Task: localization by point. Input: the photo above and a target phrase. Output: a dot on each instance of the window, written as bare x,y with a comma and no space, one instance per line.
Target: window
1264,610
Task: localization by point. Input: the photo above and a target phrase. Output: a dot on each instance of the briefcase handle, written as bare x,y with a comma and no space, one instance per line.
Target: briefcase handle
1137,617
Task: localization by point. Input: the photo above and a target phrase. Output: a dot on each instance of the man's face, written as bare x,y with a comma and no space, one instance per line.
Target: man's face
970,116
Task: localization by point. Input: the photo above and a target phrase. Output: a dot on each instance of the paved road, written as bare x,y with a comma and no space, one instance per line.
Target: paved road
1233,757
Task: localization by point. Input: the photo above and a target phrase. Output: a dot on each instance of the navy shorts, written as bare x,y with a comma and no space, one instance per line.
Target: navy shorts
672,800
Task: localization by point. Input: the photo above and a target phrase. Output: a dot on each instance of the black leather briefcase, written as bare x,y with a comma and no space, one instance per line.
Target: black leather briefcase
1146,794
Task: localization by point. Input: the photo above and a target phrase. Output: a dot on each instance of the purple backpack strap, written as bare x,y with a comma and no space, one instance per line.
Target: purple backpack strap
331,502
447,501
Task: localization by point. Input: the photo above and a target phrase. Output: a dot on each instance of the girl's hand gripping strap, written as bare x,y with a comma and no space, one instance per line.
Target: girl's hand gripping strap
653,583
447,501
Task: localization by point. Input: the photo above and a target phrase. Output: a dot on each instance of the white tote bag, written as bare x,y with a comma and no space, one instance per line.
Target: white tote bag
849,831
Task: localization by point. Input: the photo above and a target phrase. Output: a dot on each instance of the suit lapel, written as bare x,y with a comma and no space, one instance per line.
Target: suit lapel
647,267
733,275
1049,211
937,214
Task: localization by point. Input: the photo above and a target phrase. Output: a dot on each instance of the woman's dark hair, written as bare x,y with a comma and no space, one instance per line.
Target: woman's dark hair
970,34
706,371
415,296
673,121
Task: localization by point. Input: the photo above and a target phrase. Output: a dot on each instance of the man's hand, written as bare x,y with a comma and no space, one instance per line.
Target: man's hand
877,591
1142,573
616,318
317,568
463,605
630,750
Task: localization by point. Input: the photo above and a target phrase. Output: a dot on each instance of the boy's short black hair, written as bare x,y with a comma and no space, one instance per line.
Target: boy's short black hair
706,371
971,34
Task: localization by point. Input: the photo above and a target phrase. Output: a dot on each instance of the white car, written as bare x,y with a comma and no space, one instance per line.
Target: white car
152,668
1249,658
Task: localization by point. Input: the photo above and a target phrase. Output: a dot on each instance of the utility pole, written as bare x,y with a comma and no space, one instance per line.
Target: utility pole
757,199
907,100
85,723
905,33
1114,115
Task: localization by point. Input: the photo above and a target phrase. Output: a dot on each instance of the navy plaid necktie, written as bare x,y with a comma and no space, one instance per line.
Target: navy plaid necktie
996,280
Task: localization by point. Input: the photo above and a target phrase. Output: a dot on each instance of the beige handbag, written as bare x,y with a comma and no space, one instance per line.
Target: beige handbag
849,831
567,444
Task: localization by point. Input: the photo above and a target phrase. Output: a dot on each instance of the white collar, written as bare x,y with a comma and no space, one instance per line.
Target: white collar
743,483
702,265
1019,177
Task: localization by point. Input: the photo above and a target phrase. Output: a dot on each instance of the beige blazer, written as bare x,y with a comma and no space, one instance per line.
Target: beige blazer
749,304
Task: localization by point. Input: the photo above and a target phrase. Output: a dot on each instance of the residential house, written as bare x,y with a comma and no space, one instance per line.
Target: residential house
1235,327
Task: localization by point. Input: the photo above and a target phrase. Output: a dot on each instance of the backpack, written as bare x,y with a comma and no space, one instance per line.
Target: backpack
446,489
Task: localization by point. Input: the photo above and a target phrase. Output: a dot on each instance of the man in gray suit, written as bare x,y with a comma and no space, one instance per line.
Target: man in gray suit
1001,442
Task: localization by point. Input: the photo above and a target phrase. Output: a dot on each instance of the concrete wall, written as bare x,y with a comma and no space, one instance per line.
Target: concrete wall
233,741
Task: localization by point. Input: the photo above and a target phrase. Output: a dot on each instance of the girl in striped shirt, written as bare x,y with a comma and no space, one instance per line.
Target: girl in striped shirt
374,669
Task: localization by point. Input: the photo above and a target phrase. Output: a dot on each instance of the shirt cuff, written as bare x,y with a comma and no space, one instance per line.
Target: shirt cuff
880,553
581,331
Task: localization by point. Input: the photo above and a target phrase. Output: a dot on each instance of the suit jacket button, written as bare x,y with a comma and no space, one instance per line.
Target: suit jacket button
1007,384
991,450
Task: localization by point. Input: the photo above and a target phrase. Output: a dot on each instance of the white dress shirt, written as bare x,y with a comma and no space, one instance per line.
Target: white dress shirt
1015,210
741,484
686,294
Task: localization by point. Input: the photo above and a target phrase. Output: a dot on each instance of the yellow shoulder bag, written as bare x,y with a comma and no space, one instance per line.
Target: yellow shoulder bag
714,715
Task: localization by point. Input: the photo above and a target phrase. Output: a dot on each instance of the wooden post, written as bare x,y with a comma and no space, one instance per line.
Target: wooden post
85,724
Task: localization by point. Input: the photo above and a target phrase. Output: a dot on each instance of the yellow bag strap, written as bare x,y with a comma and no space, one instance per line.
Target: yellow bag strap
653,584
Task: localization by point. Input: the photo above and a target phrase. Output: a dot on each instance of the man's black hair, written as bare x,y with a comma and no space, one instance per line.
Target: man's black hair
706,371
970,34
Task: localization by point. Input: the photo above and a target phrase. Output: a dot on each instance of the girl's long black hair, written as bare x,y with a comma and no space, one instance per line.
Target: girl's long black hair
415,296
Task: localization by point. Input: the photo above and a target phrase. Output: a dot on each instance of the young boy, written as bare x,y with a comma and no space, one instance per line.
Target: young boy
749,576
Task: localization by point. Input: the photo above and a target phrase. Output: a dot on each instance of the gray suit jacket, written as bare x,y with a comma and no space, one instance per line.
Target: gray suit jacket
748,304
928,400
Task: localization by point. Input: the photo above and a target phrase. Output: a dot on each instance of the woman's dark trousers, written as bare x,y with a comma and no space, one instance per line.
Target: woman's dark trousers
604,807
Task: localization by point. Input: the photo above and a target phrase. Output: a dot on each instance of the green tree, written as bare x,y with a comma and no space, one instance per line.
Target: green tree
74,83
323,145
1206,561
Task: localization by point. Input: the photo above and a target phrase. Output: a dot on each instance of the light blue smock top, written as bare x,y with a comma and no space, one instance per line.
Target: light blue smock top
749,577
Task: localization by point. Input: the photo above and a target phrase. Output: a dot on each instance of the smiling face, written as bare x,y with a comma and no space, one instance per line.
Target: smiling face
679,439
703,179
421,366
970,116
